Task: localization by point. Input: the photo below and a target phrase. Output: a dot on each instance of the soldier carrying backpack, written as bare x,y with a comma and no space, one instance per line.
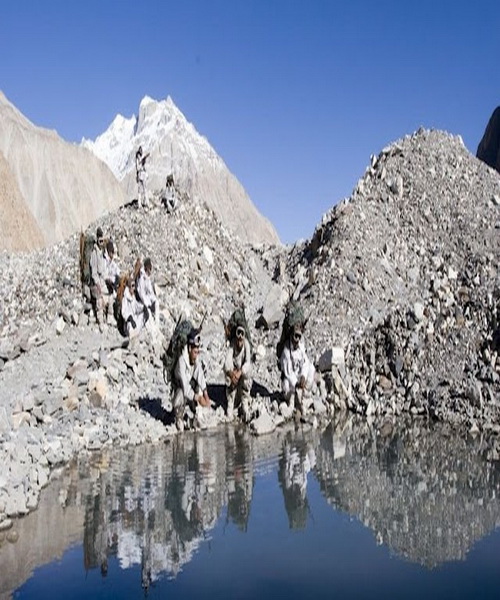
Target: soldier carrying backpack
297,371
238,361
183,368
93,272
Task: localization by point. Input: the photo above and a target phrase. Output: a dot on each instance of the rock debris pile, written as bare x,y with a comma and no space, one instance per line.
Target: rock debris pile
400,284
404,275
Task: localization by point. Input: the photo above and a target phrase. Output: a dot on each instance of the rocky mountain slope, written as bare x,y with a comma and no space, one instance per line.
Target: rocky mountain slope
177,149
400,283
405,276
64,187
18,228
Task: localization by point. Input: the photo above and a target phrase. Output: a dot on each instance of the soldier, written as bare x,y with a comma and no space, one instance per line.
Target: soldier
238,368
170,198
132,310
146,291
140,176
189,379
297,371
112,278
97,278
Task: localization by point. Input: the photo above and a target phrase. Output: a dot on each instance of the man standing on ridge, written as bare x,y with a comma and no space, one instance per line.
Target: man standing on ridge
140,175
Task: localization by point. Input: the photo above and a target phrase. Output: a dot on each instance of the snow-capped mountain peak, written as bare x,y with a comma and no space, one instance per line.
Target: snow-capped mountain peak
174,147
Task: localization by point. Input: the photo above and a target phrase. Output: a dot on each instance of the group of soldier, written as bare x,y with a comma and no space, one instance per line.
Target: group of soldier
131,301
169,198
137,304
297,371
131,307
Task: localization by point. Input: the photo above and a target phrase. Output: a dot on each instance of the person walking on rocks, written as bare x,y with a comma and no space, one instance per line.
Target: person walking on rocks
141,175
189,379
297,371
238,364
97,278
146,291
132,310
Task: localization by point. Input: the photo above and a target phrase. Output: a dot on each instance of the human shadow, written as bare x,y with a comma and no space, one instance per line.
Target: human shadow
217,393
154,408
260,390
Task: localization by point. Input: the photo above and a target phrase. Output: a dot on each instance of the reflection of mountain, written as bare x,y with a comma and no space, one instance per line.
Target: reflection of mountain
426,493
42,536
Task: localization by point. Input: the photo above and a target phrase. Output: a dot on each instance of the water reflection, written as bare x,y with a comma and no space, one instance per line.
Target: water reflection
296,461
425,492
153,507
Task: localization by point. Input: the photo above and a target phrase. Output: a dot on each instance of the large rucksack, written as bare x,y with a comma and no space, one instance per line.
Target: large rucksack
294,315
136,273
175,348
238,319
122,284
87,242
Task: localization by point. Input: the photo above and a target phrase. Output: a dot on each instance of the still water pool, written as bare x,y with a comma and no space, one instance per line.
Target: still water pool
351,511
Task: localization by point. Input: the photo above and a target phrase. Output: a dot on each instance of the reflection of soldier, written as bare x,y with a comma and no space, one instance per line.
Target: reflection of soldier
240,482
183,502
96,532
294,465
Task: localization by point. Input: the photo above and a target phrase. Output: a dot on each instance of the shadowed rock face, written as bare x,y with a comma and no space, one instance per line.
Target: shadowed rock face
489,147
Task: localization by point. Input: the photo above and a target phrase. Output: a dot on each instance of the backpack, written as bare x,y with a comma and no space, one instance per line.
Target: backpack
86,245
238,319
294,315
175,348
136,274
122,284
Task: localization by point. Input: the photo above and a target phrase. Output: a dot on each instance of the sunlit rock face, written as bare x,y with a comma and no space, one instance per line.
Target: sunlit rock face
176,148
64,186
18,228
489,147
404,276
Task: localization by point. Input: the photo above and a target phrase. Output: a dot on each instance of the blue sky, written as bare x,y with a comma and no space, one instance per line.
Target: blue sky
293,95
